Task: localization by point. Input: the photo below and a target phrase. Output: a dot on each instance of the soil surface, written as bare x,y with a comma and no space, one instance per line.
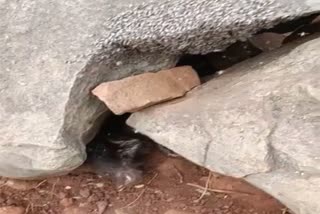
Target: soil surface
171,185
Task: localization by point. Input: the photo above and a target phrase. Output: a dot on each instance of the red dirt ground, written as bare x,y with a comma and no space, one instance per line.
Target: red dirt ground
170,186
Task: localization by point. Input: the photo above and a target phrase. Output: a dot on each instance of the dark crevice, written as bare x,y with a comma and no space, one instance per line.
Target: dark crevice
119,152
292,25
199,63
210,64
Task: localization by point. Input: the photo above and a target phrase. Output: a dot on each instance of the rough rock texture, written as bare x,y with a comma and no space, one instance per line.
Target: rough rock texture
260,120
52,53
140,91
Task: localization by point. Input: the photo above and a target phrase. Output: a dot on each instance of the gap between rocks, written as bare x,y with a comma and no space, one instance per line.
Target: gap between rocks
119,152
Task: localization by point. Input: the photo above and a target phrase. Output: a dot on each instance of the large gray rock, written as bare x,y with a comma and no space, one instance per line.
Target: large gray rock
52,53
259,121
46,111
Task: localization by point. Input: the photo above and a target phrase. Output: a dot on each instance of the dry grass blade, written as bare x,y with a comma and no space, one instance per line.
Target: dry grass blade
53,187
141,193
219,190
133,202
179,174
205,189
29,208
39,184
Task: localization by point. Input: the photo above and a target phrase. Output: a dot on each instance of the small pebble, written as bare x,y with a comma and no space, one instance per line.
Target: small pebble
220,72
99,185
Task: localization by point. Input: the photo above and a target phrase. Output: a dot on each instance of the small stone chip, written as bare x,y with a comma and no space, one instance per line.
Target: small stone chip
68,187
99,185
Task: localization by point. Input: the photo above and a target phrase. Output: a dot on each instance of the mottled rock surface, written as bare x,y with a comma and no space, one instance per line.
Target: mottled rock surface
260,121
140,91
53,53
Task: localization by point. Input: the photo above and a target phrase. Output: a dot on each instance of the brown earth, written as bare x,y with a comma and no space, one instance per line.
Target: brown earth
171,186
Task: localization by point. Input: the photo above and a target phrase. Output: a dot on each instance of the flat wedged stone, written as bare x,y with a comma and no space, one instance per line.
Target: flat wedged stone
140,91
259,120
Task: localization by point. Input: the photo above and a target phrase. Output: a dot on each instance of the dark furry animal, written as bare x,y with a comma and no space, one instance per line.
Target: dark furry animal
121,157
120,153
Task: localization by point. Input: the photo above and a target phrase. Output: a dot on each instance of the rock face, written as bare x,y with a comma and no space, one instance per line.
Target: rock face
259,120
48,68
137,92
52,54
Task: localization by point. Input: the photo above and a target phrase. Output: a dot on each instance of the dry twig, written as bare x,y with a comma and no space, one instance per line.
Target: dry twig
29,208
53,187
39,184
179,174
3,182
141,193
205,189
218,190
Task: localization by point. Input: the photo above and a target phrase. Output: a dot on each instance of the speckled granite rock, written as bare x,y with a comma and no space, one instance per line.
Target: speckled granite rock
260,121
